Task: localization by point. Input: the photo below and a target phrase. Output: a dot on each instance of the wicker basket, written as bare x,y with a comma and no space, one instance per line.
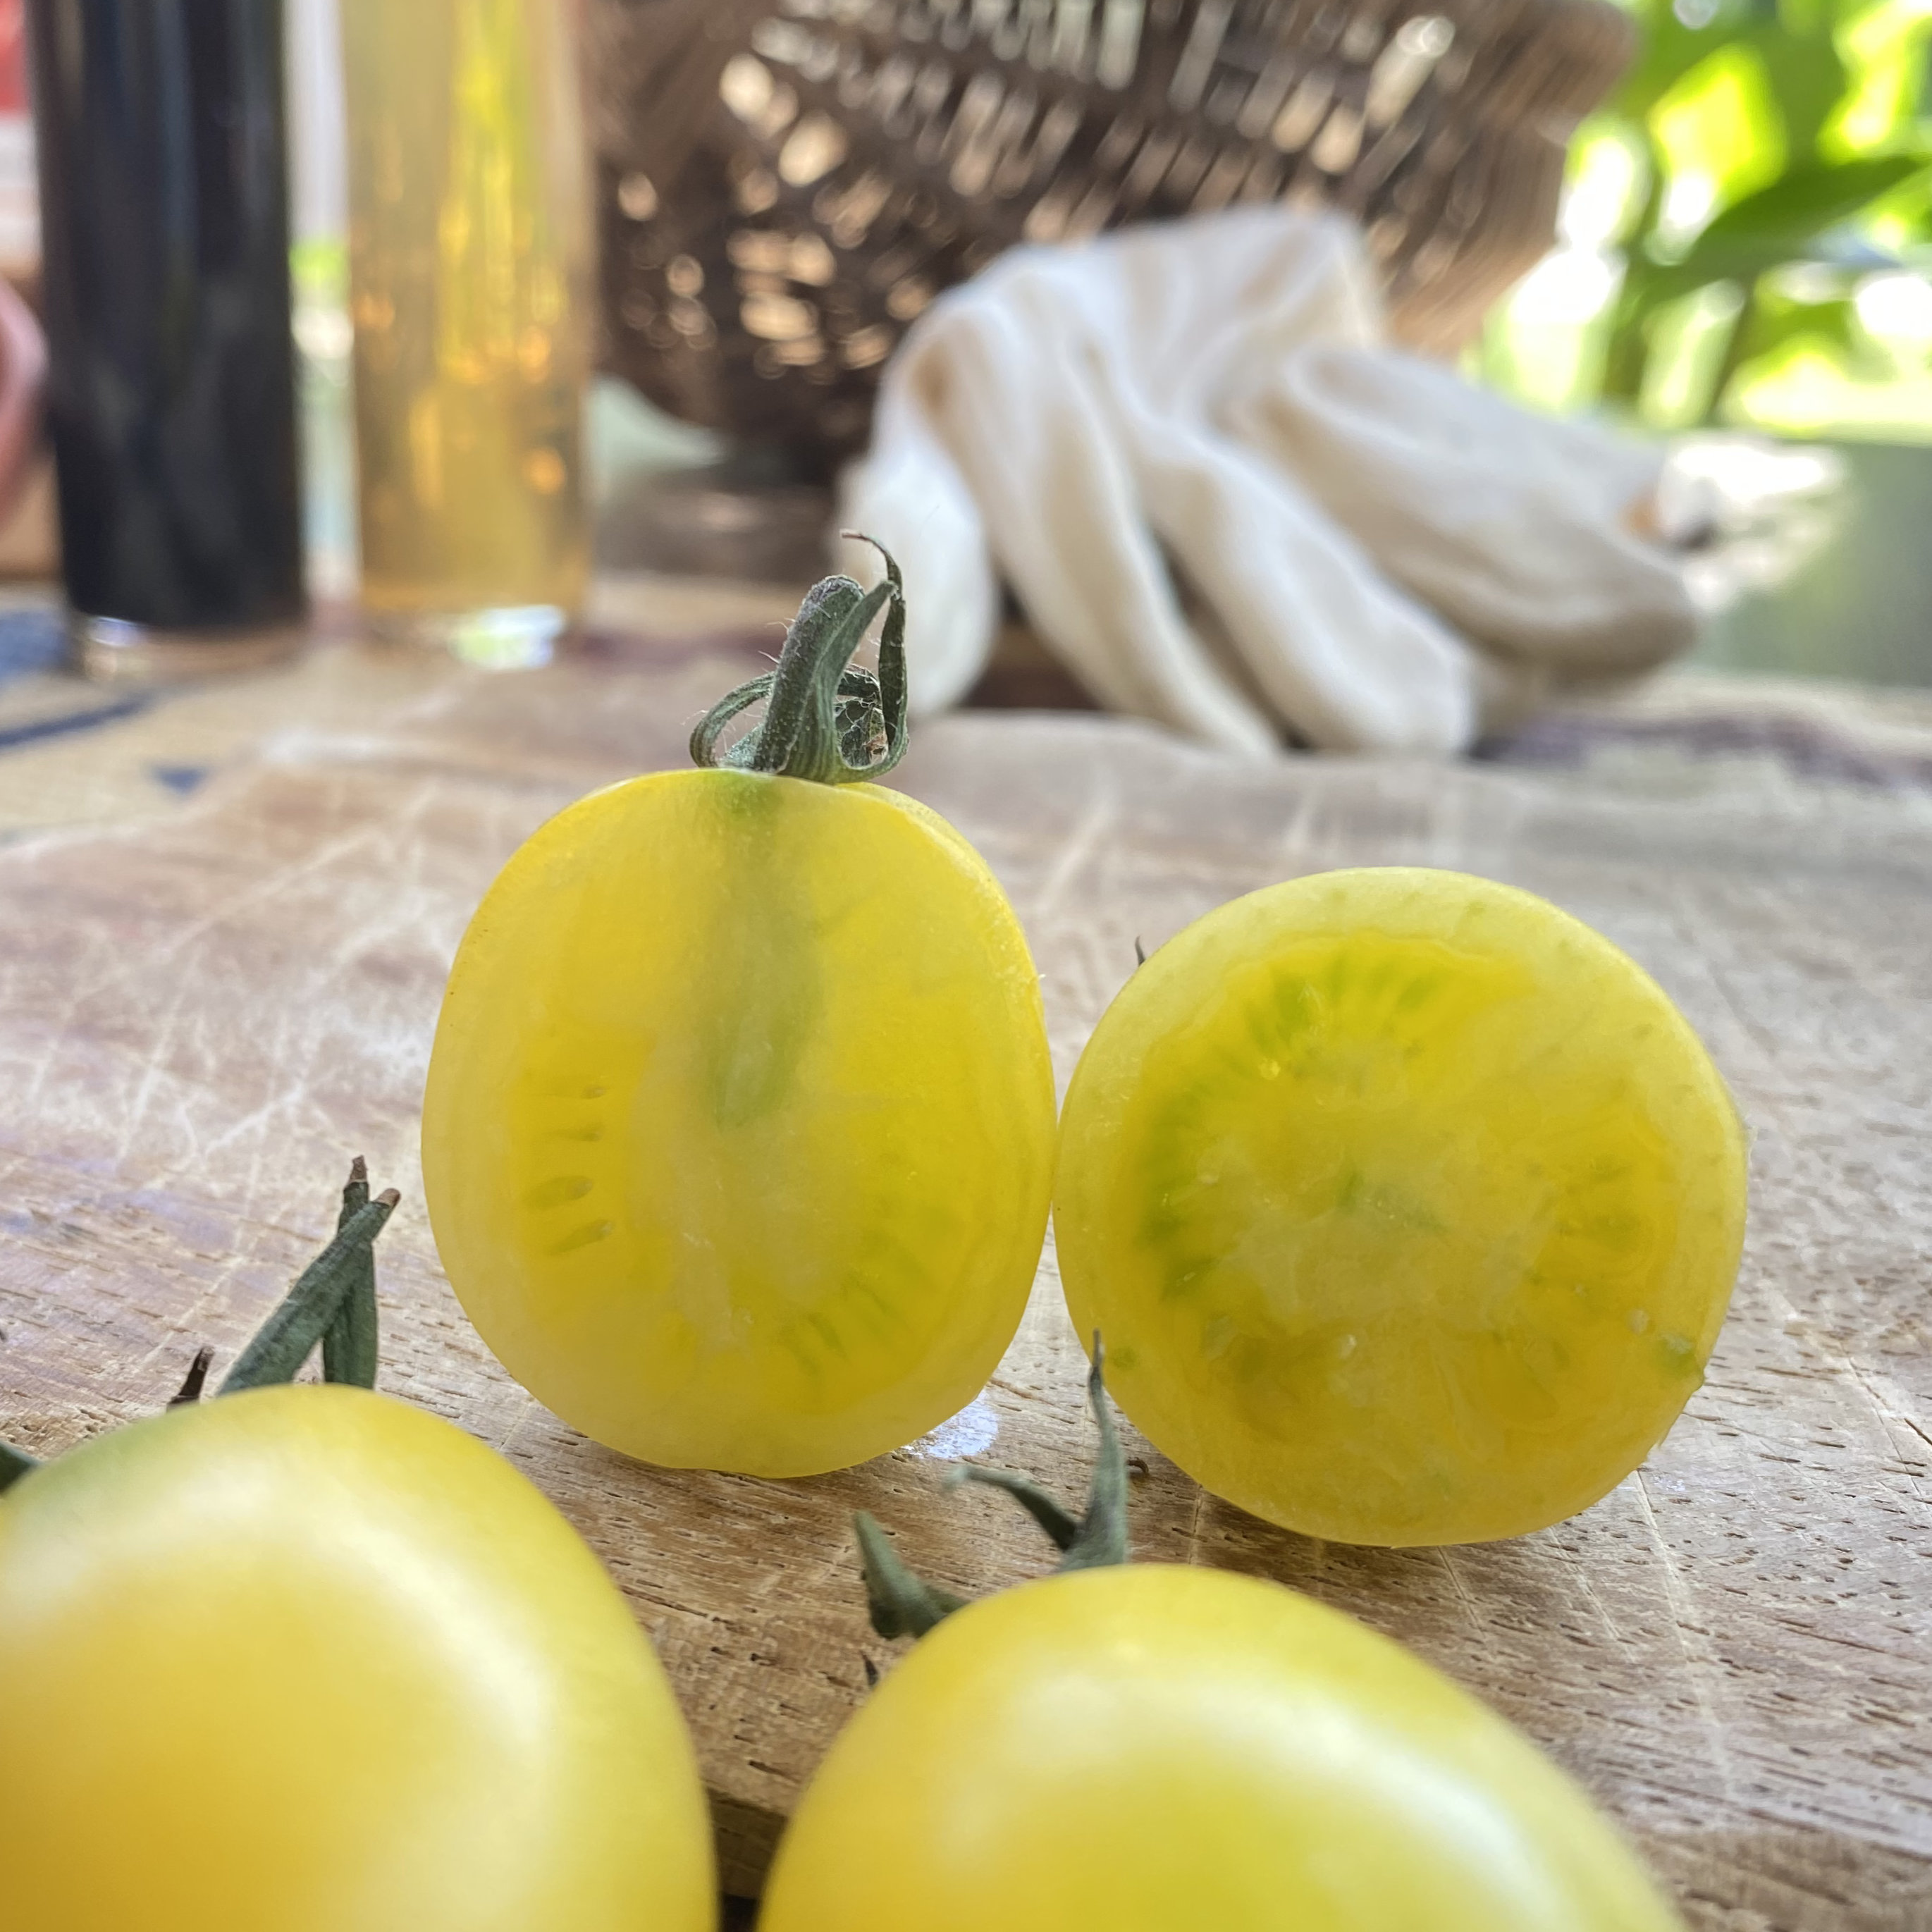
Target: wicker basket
785,184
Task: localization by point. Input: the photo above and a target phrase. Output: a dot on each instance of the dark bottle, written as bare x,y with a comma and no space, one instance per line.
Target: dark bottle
171,389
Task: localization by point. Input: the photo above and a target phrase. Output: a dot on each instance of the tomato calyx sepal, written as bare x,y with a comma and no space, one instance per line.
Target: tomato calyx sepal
350,1342
15,1463
317,1308
902,1603
1098,1537
826,720
332,1302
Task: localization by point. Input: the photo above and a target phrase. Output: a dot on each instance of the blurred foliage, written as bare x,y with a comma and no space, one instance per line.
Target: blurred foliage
1748,227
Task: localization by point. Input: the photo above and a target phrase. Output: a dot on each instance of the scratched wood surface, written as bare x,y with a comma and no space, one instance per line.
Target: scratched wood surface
207,1005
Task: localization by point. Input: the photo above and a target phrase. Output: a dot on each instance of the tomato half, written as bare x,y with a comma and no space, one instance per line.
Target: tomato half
1156,1749
304,1660
738,1137
1409,1206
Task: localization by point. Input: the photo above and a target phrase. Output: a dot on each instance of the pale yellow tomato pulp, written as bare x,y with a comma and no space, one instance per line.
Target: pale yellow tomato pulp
1408,1206
306,1660
1155,1749
738,1137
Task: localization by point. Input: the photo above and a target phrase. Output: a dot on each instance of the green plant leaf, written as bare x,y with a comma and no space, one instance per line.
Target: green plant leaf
1807,78
1778,224
1773,326
1670,49
1769,324
1805,201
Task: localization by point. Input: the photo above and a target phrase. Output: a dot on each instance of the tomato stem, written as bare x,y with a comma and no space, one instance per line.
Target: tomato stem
283,1341
826,720
14,1463
902,1604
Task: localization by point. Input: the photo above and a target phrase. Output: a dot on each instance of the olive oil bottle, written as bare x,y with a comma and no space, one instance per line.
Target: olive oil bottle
469,290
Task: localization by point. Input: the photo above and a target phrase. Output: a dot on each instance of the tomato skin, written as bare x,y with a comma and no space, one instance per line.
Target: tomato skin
1408,1206
1159,1749
307,1660
738,1136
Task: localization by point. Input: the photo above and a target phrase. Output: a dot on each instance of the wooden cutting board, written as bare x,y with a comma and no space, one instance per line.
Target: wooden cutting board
203,1014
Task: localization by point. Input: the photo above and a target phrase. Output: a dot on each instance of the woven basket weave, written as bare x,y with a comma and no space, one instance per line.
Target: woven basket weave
785,185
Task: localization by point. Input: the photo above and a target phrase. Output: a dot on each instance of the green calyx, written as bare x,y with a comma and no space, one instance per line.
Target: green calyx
825,719
349,1343
14,1463
903,1604
333,1302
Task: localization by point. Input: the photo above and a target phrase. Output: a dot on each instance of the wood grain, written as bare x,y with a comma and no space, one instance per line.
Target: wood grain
203,1014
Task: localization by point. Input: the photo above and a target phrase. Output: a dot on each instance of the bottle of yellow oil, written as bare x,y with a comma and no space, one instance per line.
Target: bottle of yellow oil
470,291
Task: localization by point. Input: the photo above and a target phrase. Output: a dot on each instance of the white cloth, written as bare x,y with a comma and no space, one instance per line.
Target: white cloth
1226,505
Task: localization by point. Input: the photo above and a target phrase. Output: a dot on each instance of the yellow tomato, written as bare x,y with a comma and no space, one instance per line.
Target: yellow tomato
1408,1206
738,1138
305,1659
1154,1749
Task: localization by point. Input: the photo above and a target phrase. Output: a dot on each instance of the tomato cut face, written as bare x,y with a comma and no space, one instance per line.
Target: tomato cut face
1156,1749
738,1137
1408,1206
305,1659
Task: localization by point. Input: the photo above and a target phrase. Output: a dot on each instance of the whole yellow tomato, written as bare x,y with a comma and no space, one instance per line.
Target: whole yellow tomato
1409,1207
738,1136
1156,1749
305,1659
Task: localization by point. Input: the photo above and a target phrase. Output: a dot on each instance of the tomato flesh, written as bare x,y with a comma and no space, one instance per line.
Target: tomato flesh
738,1137
1156,1749
1408,1206
306,1659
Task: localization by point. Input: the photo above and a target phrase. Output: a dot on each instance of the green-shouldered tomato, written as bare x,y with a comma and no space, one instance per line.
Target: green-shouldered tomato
739,1134
1408,1205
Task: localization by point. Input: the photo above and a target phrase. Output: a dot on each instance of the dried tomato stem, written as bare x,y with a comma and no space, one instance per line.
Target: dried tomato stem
825,720
195,1380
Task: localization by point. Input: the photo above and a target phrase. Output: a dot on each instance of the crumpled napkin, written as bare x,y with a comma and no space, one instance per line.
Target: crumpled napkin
1227,505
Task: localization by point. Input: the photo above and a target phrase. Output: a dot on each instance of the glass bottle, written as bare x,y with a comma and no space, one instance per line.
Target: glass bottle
470,292
171,384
